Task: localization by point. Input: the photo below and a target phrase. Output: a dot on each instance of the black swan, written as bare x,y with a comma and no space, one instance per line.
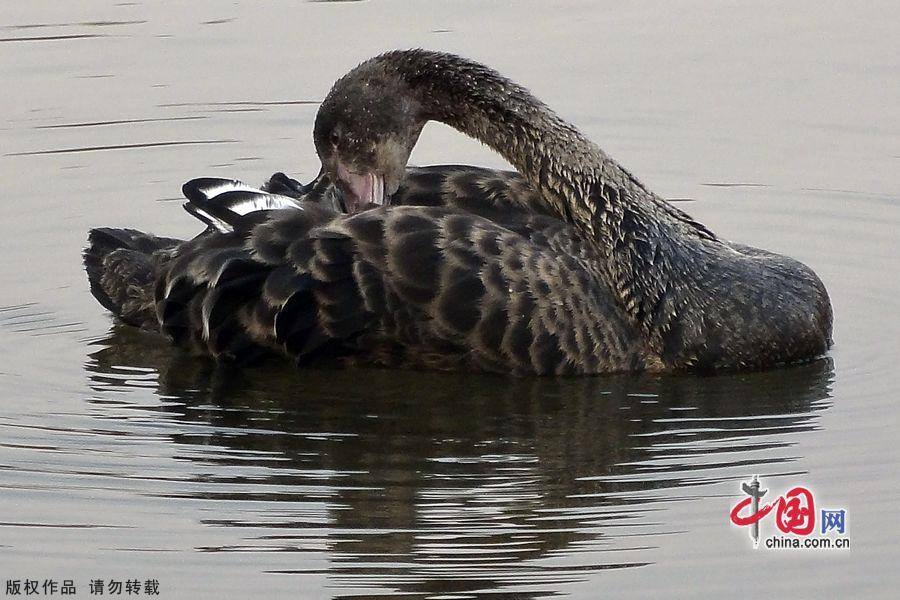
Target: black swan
569,266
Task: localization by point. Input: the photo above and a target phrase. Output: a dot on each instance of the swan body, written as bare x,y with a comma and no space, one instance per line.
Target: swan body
568,266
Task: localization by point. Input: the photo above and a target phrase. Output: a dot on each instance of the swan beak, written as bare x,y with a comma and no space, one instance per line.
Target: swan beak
362,191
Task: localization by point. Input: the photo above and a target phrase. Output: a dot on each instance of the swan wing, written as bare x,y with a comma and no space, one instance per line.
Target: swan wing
441,288
409,286
237,296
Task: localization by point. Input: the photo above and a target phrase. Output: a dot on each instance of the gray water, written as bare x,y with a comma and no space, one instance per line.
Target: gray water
775,124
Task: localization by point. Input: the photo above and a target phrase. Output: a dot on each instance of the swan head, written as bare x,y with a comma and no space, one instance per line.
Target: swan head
364,133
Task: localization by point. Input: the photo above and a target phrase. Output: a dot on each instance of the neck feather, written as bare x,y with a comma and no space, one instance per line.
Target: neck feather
584,185
629,224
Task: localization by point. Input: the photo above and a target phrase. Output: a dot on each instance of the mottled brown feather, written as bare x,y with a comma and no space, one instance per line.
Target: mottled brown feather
570,266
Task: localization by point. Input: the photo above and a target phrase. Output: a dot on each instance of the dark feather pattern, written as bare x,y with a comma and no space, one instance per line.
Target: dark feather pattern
122,265
570,266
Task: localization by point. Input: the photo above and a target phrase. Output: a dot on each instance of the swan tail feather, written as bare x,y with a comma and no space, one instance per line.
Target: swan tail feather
121,265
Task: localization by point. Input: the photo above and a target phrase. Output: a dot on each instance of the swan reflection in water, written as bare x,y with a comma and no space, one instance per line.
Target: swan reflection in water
432,482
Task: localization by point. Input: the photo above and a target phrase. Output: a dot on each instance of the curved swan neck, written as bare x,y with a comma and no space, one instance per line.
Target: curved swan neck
642,241
575,176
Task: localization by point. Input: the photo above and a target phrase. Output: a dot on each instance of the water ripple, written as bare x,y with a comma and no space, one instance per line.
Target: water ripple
121,147
52,38
470,485
118,122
